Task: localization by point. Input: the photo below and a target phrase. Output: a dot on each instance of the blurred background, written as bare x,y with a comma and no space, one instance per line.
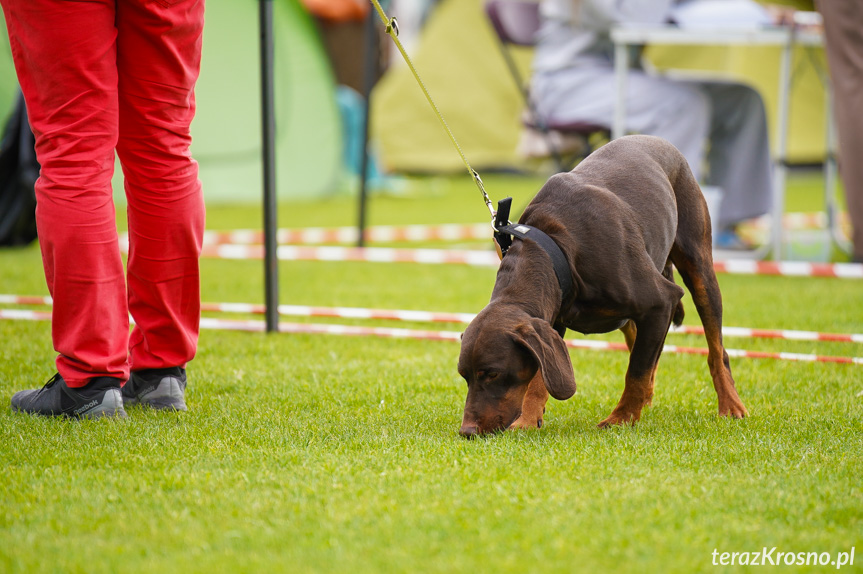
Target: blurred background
321,74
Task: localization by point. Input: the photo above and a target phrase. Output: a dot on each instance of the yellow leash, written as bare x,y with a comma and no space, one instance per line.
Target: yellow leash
392,30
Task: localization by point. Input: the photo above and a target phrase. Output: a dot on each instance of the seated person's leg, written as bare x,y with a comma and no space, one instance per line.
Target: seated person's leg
678,112
739,156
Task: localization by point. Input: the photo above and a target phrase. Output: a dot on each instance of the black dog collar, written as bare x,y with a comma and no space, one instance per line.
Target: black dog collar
505,231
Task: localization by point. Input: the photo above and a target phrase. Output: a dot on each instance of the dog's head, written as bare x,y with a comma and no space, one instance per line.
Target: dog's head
504,352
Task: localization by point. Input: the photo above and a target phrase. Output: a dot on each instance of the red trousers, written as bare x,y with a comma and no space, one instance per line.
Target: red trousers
100,76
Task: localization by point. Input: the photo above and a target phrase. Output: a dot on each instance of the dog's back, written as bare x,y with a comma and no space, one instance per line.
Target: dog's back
639,184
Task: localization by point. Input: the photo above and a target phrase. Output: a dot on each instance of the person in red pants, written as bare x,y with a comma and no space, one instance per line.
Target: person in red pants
98,77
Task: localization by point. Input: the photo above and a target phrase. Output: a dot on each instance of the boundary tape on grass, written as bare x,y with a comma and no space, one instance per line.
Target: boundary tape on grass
790,268
321,235
348,330
784,334
438,232
480,258
462,318
476,258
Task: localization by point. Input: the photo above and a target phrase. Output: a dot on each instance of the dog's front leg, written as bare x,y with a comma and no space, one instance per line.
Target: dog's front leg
649,332
533,407
629,332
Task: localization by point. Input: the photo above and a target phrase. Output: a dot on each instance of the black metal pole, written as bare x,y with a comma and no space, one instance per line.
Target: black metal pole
268,134
370,75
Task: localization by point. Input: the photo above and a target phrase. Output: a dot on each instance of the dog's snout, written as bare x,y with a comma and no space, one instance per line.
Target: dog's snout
468,430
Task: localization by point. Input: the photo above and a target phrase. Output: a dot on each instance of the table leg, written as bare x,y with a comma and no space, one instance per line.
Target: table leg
781,162
621,68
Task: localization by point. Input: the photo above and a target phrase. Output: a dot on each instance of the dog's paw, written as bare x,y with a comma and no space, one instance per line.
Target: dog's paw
620,419
523,423
734,409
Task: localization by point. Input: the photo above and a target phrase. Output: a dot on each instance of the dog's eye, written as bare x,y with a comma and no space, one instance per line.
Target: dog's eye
486,375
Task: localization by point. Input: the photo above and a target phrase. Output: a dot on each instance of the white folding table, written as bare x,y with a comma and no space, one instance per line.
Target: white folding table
786,38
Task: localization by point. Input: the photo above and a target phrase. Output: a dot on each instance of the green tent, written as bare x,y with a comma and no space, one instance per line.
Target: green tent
227,128
459,62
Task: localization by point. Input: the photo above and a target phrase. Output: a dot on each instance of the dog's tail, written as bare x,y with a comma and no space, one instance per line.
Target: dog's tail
679,312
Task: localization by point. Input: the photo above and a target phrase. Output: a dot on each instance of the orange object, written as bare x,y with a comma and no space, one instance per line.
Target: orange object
338,10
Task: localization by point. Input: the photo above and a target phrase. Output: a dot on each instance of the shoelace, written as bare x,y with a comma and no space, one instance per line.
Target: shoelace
52,381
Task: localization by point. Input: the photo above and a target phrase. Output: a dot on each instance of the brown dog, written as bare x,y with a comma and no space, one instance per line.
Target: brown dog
621,218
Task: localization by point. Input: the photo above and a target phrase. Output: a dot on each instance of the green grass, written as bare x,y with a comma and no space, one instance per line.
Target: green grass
327,454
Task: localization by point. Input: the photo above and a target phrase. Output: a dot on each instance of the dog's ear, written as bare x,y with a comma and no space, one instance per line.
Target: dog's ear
549,350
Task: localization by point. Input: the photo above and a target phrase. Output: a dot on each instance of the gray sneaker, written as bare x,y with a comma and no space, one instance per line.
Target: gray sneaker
100,397
158,388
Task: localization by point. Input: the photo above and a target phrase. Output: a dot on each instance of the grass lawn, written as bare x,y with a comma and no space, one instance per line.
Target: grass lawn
311,453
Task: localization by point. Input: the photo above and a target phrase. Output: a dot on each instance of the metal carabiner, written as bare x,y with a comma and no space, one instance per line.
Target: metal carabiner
393,26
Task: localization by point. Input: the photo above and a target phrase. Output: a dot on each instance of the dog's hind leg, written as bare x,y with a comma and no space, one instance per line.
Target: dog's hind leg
701,281
692,255
630,331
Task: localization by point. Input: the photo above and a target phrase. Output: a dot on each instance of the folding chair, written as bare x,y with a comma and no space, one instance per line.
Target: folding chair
516,23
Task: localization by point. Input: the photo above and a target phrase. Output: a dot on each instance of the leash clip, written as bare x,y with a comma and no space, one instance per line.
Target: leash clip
393,26
502,239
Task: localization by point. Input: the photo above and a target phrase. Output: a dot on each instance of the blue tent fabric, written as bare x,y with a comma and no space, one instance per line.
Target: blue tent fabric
352,107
